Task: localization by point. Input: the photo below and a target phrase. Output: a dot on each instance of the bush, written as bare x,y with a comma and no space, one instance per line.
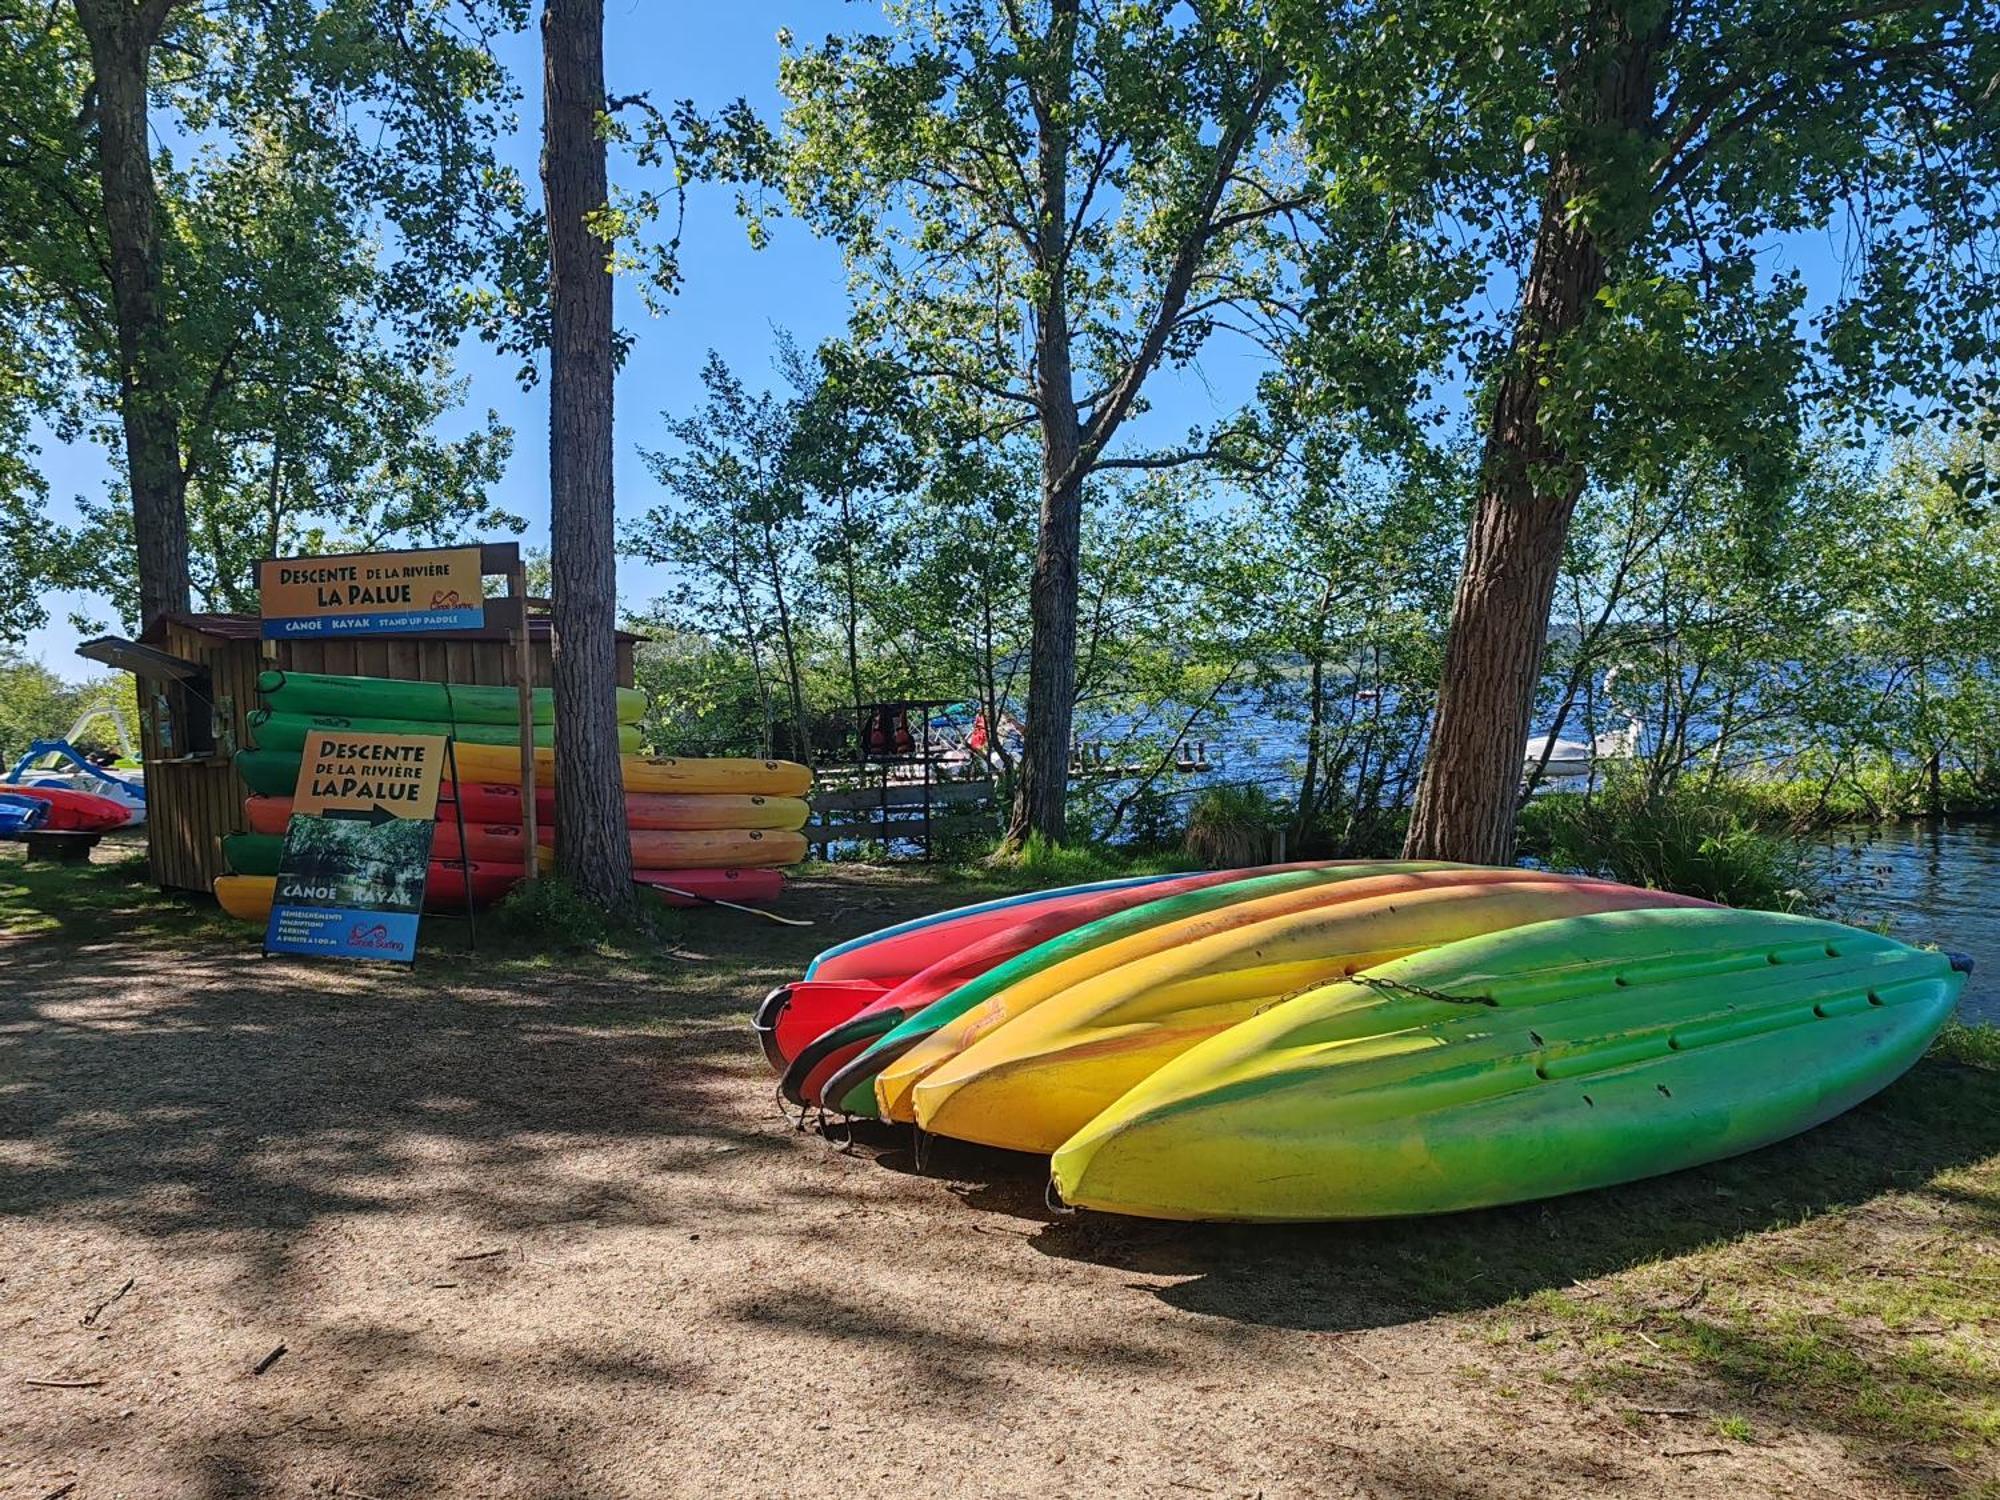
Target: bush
1229,827
549,916
1676,841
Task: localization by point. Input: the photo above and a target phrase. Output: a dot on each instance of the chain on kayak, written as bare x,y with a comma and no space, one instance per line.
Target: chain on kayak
1392,988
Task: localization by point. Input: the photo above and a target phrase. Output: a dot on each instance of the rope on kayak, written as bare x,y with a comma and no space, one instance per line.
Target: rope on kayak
920,1147
1393,988
1052,1200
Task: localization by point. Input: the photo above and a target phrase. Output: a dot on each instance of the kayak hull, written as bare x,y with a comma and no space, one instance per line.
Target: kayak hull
500,804
72,811
700,887
1580,1053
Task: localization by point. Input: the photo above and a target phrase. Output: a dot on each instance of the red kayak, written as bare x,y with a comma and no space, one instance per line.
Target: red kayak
485,803
841,979
703,886
444,890
74,811
815,1055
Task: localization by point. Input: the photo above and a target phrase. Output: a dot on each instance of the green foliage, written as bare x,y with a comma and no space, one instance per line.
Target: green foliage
1694,843
1229,827
551,916
36,704
332,209
1043,863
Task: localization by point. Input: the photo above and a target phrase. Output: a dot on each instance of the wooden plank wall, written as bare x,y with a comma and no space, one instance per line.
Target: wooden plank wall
192,803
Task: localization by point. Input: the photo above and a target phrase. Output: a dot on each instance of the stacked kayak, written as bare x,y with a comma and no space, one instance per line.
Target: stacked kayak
1355,1040
702,830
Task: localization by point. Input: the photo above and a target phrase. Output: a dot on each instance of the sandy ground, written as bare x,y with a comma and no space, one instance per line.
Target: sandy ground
529,1236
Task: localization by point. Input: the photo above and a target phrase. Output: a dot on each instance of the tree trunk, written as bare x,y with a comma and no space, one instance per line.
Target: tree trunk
121,43
1041,789
1465,805
596,847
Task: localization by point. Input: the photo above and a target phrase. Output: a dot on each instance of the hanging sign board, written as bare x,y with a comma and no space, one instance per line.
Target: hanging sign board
372,593
358,846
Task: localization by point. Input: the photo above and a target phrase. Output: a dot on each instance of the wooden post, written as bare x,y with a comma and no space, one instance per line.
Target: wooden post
524,674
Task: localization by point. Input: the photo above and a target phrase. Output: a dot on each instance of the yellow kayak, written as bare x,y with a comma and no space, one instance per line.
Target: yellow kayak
710,848
1034,1082
750,778
246,897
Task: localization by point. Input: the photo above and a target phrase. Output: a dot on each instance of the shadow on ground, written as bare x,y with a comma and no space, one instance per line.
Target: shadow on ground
1343,1277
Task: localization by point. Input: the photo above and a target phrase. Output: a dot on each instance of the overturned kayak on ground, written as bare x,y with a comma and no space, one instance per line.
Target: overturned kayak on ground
1566,1055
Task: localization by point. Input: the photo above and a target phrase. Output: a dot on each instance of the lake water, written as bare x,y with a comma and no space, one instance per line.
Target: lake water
1938,883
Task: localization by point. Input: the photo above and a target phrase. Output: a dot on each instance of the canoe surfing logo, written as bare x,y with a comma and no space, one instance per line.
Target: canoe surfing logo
445,599
375,935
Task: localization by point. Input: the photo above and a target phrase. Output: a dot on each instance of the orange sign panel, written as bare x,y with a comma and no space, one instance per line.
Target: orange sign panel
397,775
372,593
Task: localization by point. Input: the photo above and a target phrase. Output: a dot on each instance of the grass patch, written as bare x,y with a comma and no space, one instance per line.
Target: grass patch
1973,1044
113,896
1039,864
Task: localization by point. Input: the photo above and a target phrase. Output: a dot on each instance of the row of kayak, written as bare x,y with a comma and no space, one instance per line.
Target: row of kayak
393,698
1355,1040
274,773
701,830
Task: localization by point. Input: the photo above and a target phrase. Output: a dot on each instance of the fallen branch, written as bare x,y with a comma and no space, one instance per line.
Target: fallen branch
482,1254
268,1360
90,1318
1663,1411
64,1385
1690,1452
1361,1359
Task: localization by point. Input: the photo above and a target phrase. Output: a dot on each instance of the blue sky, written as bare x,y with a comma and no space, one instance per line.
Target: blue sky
732,301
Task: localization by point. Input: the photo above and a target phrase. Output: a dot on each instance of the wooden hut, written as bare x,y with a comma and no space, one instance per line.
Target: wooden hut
198,683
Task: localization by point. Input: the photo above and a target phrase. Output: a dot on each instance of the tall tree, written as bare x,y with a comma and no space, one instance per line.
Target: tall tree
1043,203
597,850
122,37
1639,170
339,194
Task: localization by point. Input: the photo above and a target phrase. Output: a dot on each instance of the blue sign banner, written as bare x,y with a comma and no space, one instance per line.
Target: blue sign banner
368,624
342,932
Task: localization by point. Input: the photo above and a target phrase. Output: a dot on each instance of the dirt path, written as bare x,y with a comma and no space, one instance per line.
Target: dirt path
521,1235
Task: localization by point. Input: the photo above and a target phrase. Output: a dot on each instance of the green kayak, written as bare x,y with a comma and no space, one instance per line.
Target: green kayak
253,853
268,773
438,702
287,732
1568,1055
